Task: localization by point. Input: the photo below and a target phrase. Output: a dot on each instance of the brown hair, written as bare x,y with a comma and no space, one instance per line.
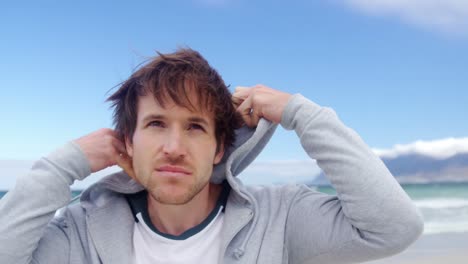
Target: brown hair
172,76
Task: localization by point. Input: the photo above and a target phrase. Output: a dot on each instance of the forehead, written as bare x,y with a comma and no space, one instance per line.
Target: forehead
149,105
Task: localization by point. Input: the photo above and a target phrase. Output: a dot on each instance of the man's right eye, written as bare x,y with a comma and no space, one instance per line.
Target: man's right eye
155,124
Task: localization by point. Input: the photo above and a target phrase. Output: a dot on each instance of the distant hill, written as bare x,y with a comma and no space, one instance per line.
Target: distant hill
416,166
420,169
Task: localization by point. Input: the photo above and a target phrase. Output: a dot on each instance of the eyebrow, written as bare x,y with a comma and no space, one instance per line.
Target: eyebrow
151,117
194,119
200,120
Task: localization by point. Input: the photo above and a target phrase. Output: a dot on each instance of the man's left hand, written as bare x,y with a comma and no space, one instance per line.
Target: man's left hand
259,101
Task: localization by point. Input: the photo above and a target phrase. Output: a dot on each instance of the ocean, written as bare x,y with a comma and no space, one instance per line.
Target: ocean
444,206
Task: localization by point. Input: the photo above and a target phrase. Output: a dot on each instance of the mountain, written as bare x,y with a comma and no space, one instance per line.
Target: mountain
414,168
443,160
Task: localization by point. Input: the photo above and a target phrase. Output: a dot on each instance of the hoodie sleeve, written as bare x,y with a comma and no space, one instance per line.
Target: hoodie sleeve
371,216
27,209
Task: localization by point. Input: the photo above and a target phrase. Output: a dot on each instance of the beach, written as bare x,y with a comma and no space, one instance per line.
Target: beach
446,248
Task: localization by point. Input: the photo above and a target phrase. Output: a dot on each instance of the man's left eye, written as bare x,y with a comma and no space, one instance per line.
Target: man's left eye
196,126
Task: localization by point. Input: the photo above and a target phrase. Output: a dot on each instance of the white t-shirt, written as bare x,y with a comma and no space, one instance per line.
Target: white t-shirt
200,244
202,247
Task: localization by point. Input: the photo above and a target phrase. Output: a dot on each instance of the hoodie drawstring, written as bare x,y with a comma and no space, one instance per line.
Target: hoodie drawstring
239,252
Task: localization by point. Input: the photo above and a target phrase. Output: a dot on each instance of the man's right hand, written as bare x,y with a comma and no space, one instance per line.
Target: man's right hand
103,149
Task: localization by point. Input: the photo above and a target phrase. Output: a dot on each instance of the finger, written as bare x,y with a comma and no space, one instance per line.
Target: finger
254,118
236,101
246,112
241,88
242,92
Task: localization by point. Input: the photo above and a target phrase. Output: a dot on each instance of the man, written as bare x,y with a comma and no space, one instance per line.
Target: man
179,139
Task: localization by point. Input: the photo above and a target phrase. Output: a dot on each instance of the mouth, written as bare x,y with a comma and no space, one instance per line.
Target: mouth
169,170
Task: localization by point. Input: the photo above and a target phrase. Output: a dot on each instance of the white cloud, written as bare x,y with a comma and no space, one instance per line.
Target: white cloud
443,15
442,148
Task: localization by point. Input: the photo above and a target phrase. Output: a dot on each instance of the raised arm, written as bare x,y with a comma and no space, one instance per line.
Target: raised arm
370,217
27,209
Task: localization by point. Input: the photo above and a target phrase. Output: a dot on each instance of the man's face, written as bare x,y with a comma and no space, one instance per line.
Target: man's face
173,150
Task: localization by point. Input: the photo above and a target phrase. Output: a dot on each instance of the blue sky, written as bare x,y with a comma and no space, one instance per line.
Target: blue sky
395,72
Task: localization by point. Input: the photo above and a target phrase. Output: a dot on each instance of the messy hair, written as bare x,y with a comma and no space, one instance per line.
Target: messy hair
173,77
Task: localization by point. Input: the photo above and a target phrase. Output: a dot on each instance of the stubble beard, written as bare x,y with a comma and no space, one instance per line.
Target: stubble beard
163,194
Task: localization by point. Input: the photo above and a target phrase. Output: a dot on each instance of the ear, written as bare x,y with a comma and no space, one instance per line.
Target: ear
127,166
219,155
129,147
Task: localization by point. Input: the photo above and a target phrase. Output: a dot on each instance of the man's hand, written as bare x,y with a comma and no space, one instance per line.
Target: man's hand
259,101
103,149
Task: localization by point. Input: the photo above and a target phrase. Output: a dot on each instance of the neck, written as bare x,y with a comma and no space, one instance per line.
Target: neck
176,219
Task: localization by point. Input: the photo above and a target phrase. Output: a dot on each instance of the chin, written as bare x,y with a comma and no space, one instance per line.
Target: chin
174,196
173,199
175,191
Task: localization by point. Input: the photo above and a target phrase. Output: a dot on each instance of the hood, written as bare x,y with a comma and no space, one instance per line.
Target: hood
247,146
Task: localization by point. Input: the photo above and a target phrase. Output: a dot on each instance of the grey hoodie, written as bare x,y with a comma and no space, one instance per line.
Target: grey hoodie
370,217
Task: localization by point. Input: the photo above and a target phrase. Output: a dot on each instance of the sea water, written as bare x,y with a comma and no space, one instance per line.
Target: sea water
444,206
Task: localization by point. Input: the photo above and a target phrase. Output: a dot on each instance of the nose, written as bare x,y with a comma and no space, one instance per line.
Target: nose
174,146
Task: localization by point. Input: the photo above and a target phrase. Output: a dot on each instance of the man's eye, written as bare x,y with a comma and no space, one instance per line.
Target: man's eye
155,124
196,127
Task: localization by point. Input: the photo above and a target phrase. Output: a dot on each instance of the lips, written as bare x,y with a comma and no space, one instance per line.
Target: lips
173,170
